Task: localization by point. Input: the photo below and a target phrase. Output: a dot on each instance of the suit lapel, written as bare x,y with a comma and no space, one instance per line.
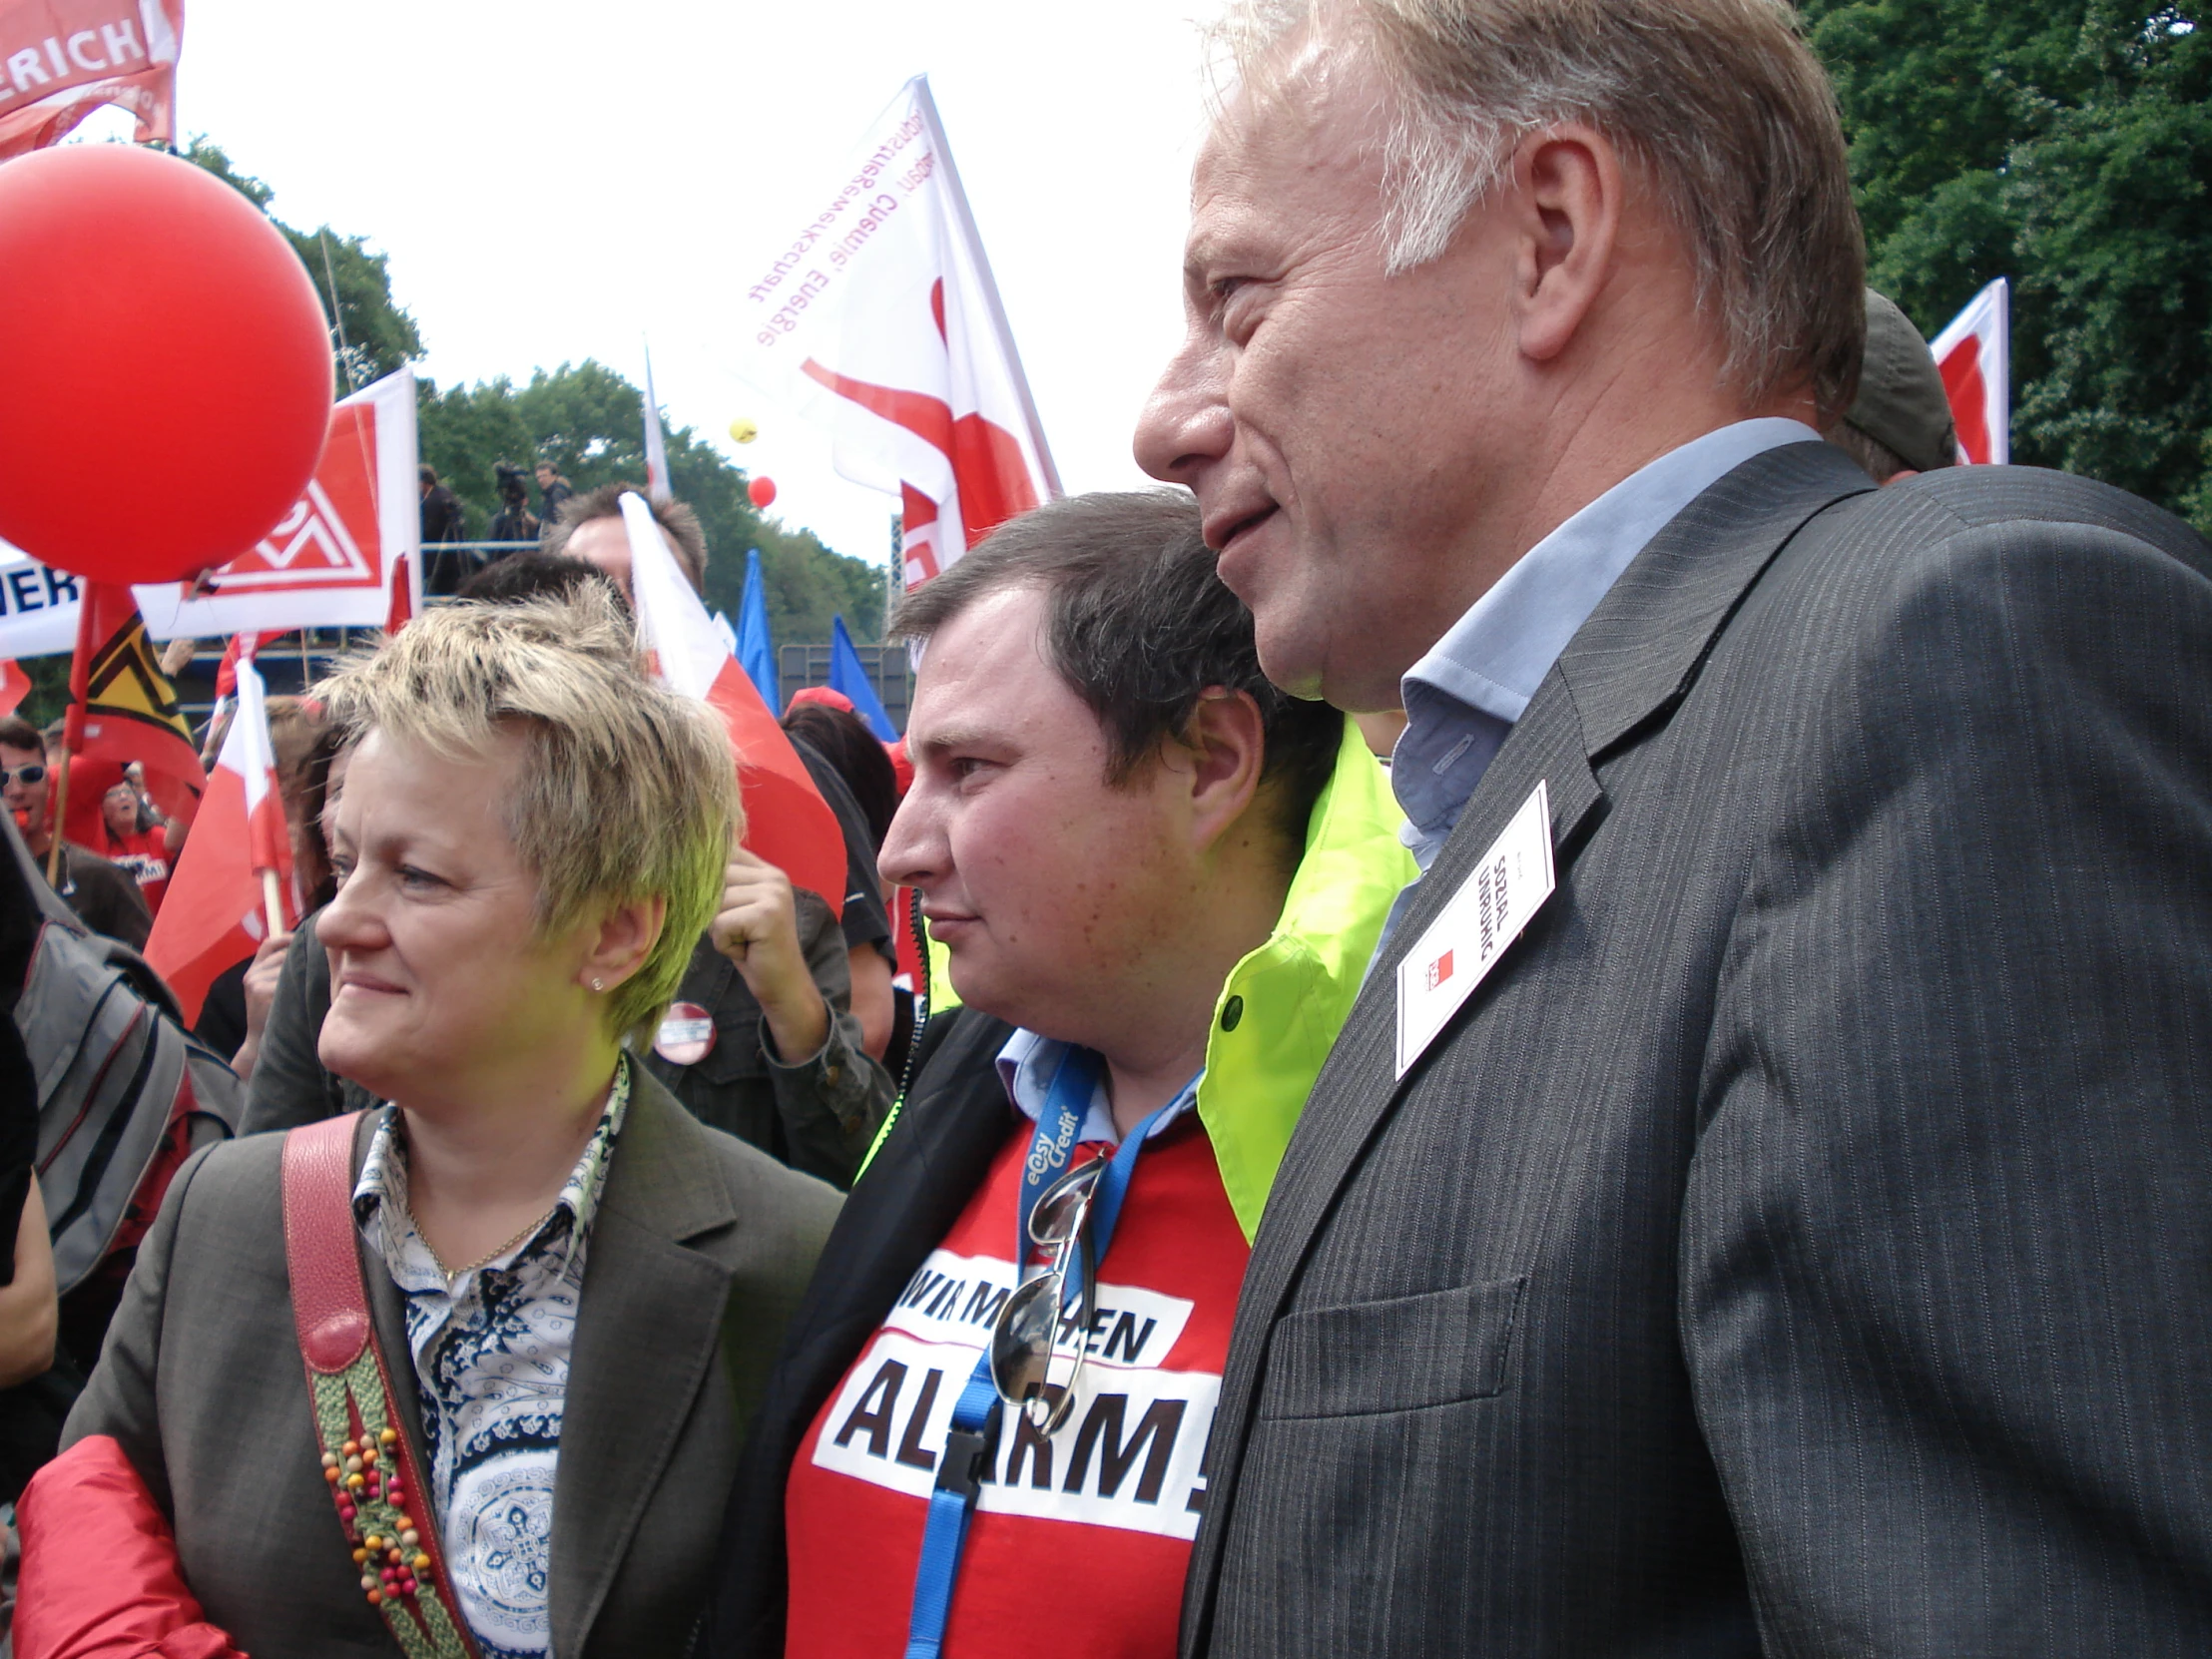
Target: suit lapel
1357,1087
1627,667
645,1334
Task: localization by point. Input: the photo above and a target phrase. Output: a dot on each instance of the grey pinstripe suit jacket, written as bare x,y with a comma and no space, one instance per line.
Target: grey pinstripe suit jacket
1802,1242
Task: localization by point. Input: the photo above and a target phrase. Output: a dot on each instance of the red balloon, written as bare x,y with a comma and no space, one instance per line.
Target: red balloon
165,369
762,492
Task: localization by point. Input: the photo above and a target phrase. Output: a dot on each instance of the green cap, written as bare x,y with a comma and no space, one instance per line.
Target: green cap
1901,403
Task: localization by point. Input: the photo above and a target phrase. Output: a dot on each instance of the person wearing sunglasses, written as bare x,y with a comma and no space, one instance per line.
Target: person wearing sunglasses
1158,882
105,896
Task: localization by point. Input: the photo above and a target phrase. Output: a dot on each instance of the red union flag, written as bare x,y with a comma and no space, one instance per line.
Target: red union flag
1974,356
334,560
879,321
62,58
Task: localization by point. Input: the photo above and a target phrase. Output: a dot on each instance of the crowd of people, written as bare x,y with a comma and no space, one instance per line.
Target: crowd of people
1563,1006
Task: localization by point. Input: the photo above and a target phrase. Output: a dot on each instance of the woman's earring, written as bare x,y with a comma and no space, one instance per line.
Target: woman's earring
598,984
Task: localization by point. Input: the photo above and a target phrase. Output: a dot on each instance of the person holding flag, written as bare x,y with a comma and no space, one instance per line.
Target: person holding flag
807,821
124,714
138,839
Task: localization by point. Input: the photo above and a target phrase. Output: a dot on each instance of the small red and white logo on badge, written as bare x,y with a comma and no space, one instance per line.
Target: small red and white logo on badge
686,1035
1439,970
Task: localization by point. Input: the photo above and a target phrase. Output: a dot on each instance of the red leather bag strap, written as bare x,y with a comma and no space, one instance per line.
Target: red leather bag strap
375,1480
330,1304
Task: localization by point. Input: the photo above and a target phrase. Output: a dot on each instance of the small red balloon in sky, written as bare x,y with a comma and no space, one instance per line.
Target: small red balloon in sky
165,365
762,492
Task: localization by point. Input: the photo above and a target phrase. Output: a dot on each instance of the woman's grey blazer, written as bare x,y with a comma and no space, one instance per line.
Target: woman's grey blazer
699,1252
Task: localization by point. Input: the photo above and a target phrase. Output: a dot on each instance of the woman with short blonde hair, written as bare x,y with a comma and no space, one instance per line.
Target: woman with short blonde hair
576,1289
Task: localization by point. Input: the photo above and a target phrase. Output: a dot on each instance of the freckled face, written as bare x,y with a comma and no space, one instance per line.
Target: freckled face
1047,884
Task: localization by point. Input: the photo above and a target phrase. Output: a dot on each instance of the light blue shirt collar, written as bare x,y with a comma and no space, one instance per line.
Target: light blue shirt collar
1463,697
1026,1066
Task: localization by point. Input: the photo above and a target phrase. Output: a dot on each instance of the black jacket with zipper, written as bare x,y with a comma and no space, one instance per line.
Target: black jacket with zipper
953,1122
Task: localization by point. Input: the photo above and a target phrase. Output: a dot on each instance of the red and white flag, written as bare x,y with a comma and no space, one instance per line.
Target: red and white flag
62,58
217,911
123,709
656,440
242,648
878,321
786,820
1974,356
348,555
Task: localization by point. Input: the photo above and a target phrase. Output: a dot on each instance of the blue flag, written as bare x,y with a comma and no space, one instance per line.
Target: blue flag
847,676
756,647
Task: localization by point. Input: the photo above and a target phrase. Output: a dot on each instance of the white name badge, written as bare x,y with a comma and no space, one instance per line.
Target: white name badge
1486,914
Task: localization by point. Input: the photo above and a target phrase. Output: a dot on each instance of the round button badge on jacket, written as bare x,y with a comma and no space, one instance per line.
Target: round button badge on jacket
687,1034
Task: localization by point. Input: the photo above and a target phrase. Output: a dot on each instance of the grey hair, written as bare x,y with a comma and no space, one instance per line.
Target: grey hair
1719,101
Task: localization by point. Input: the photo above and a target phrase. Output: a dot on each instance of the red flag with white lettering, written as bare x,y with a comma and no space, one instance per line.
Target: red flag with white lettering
345,556
786,820
881,322
62,58
1974,356
215,915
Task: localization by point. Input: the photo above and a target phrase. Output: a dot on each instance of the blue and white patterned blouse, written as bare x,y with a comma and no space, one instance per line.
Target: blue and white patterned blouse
491,1352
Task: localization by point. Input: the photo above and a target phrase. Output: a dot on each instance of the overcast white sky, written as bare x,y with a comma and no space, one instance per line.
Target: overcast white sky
555,180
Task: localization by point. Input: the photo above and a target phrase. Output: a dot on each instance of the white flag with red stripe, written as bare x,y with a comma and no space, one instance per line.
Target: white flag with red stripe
1974,356
348,555
786,820
215,915
880,321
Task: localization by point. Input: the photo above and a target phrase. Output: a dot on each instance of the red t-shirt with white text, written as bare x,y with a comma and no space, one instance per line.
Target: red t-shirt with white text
145,855
1110,1500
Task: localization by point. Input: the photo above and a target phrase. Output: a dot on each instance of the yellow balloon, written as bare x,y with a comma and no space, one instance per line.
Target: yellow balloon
743,430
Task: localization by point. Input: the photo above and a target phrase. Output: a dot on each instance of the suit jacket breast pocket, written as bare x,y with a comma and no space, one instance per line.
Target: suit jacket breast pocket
1396,1355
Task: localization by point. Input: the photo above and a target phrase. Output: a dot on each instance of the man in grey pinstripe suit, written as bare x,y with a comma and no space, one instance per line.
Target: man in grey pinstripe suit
1761,1202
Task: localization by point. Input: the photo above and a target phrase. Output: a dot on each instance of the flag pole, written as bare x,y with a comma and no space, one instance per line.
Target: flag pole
73,724
272,902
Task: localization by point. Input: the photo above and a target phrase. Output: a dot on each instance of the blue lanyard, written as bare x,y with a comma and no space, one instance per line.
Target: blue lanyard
967,1443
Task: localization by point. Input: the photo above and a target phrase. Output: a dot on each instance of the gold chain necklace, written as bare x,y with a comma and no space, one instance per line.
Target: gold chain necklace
453,1273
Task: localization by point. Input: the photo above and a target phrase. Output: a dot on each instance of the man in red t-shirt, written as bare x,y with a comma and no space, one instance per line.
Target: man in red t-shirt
1116,826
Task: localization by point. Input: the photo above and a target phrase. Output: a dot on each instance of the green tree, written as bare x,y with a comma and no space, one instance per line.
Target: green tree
587,420
2068,146
353,283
